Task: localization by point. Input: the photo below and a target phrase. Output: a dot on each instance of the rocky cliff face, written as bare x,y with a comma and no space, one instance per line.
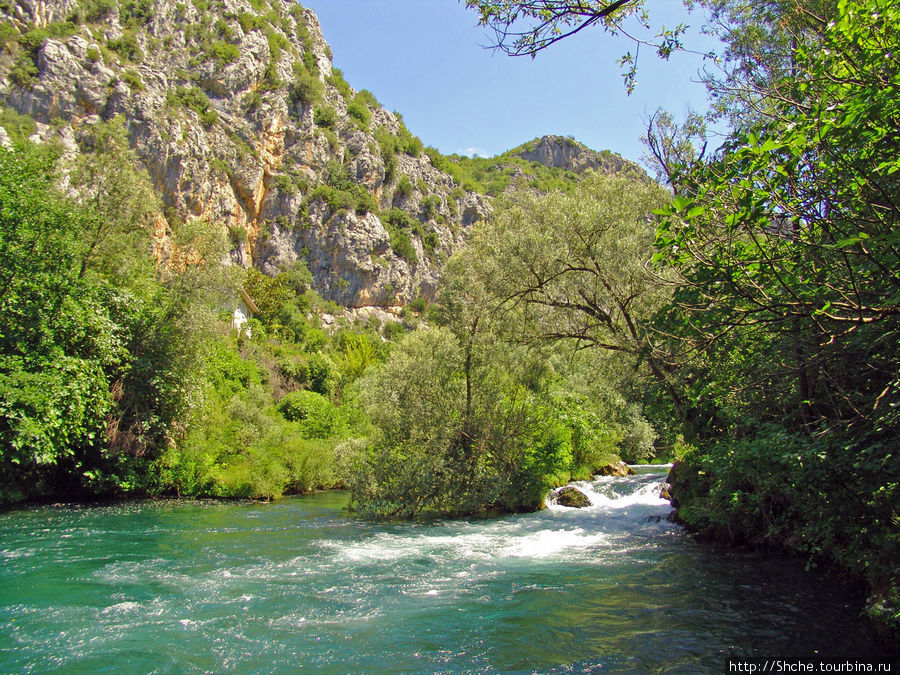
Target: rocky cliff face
240,119
561,152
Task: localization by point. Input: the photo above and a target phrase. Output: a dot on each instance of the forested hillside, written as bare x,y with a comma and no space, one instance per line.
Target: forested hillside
776,354
151,173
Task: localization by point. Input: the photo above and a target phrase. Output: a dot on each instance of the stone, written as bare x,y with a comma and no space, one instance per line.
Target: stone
617,469
572,497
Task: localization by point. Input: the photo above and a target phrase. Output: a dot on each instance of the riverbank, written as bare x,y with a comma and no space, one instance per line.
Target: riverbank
799,506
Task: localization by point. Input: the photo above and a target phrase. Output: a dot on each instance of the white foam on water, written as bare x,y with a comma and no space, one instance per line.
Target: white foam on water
121,607
17,553
551,542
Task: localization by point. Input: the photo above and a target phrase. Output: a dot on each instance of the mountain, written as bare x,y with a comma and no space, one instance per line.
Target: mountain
241,120
562,152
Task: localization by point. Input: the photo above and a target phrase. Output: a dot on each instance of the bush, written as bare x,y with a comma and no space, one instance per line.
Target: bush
19,127
637,443
365,203
399,218
325,117
440,450
126,46
223,52
410,144
249,21
194,99
790,489
299,405
431,206
359,114
97,10
402,246
135,13
405,187
133,80
320,373
306,89
336,80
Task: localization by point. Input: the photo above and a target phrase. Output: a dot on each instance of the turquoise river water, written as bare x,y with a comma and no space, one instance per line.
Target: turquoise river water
179,586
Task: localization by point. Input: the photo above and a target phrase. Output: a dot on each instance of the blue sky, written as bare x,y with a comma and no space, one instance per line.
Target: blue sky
425,59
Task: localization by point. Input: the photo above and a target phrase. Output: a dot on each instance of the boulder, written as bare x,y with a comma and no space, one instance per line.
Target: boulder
617,469
572,497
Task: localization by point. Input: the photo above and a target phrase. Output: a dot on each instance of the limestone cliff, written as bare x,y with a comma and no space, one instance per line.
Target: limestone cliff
236,111
241,120
562,152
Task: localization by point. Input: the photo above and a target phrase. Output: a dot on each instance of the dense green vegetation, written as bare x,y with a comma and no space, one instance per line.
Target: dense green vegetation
746,321
775,350
120,374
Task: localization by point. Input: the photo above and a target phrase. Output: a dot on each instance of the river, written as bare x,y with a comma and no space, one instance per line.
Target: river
182,586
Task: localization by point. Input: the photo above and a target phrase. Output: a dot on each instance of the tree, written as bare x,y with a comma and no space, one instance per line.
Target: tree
97,348
118,200
575,267
527,27
458,432
788,237
56,338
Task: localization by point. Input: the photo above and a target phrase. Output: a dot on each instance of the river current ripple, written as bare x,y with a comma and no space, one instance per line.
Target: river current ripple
209,587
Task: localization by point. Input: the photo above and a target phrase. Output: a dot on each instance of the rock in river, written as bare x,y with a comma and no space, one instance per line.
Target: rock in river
617,469
572,497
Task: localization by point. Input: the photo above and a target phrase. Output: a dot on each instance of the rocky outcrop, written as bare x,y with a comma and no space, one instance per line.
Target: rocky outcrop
566,153
241,121
572,497
616,469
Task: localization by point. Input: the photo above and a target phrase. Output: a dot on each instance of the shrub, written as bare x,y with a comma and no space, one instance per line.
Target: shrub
34,39
410,144
430,241
430,206
399,218
135,13
390,168
365,202
393,330
405,187
249,21
194,99
310,62
133,79
97,10
637,442
306,89
223,52
298,406
126,46
336,80
24,72
8,33
325,117
320,371
19,127
402,246
277,43
359,114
